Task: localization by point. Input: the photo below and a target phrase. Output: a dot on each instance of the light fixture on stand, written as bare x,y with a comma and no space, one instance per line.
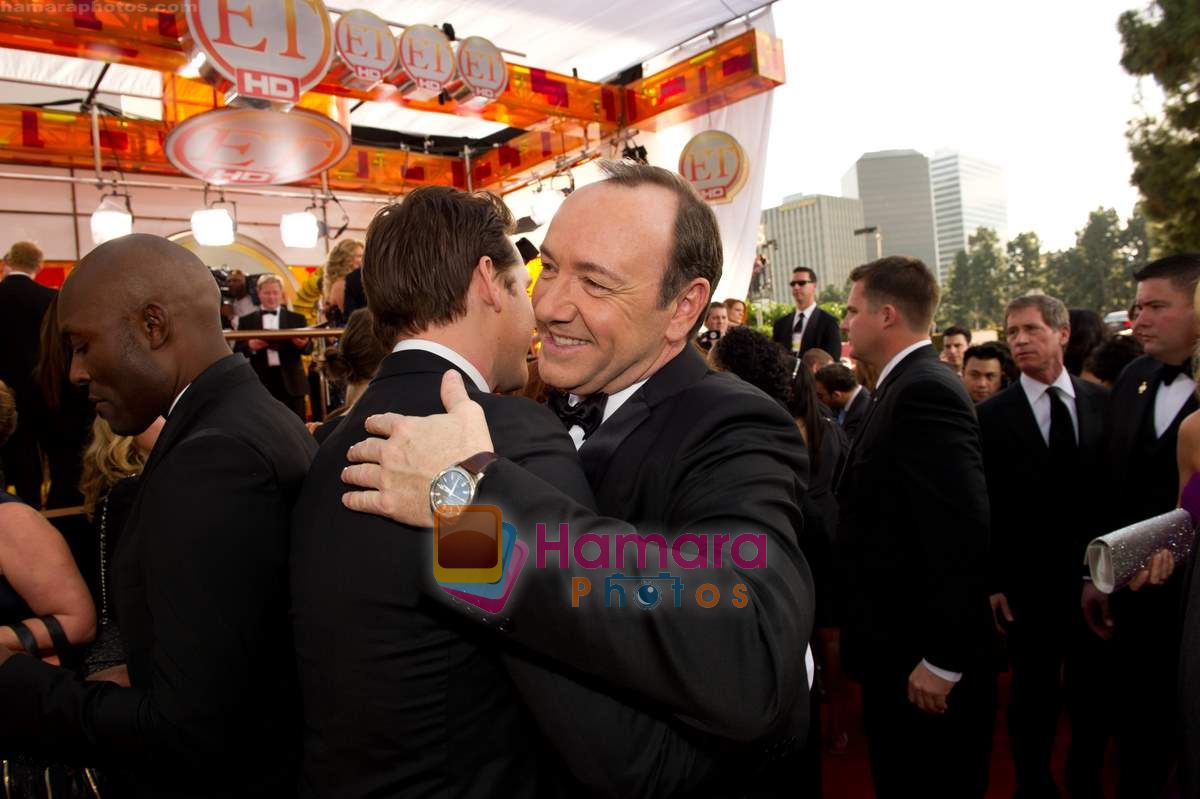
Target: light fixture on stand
302,230
213,226
547,199
112,218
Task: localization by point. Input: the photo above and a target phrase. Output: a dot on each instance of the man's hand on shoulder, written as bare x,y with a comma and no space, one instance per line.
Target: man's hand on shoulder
928,691
395,471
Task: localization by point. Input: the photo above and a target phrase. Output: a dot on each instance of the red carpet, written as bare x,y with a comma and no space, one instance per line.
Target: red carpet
848,776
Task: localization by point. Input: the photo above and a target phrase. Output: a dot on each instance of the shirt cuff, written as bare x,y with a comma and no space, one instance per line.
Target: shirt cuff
949,676
810,667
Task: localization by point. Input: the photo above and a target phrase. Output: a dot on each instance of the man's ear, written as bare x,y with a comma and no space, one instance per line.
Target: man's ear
688,308
489,283
155,325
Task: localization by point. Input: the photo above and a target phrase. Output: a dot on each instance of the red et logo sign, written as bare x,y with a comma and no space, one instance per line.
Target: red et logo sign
482,72
426,62
366,49
715,164
239,146
268,52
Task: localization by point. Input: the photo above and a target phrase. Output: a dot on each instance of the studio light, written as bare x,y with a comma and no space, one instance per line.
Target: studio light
212,226
300,230
112,219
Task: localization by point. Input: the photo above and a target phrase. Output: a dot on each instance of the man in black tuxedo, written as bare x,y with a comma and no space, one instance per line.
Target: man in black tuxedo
838,388
669,447
913,537
199,581
23,303
1043,441
808,326
277,361
1149,401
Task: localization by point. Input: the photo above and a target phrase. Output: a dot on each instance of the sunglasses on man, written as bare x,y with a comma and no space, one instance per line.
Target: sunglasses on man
801,282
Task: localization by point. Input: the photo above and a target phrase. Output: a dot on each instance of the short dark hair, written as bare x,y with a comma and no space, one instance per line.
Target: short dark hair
957,330
1109,359
1053,310
754,358
420,255
836,377
906,283
994,351
1087,333
811,274
714,305
1182,269
696,244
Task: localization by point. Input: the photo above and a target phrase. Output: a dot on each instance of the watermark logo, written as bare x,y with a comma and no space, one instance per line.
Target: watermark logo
477,557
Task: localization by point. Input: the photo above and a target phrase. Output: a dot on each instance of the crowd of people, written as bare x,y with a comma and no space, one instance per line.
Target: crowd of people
256,608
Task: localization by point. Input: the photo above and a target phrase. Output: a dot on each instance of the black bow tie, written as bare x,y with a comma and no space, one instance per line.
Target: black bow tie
588,413
271,313
1168,372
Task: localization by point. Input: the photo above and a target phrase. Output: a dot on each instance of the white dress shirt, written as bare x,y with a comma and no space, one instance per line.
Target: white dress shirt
1038,394
806,315
1169,401
611,406
897,358
176,400
450,355
841,415
270,321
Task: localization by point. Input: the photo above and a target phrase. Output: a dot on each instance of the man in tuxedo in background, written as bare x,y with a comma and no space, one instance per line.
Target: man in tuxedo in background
1043,441
668,447
839,389
913,537
199,581
1149,401
23,303
277,362
809,326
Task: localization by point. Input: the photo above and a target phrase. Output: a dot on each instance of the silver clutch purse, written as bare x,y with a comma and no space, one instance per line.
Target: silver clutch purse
1115,559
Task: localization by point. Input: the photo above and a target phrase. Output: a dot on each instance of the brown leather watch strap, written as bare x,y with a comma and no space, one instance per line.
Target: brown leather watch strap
478,462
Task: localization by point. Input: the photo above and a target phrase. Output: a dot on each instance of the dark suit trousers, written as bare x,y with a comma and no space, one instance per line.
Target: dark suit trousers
1047,634
915,754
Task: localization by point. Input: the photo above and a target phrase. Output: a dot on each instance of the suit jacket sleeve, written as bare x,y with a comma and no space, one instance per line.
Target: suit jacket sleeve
246,323
995,470
218,551
611,746
781,332
732,672
940,463
831,337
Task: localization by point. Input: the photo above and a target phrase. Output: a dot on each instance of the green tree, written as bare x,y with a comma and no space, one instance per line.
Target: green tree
956,293
1026,270
1163,42
832,294
1097,272
976,291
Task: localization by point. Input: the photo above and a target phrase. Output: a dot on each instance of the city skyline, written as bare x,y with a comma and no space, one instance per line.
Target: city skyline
995,82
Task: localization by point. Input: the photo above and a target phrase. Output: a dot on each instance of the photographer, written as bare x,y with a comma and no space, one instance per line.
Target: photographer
715,323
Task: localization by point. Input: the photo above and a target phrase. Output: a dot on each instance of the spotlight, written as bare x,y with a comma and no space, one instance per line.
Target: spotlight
214,227
300,230
636,154
112,219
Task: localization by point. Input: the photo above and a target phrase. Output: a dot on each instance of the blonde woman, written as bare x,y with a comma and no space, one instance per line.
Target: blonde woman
344,258
111,464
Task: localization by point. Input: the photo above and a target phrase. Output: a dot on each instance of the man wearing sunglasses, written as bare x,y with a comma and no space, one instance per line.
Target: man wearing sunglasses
809,326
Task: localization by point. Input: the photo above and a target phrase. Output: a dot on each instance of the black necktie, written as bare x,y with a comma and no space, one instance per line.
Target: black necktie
587,413
1168,372
1062,431
799,326
271,313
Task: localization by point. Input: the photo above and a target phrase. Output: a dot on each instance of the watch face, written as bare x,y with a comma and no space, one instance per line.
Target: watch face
452,489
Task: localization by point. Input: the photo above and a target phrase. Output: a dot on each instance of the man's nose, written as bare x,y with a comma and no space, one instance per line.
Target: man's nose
78,373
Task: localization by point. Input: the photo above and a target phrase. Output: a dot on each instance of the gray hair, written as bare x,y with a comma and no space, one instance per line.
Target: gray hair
1054,311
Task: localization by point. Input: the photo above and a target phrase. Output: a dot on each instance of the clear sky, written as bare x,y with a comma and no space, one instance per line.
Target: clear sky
1034,85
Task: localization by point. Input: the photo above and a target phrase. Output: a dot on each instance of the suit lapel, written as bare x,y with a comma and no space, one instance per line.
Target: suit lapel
680,372
1023,422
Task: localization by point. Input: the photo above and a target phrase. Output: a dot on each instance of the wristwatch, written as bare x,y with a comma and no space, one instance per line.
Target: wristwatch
456,487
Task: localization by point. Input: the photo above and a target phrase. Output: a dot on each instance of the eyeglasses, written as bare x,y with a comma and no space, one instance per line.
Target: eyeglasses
801,282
